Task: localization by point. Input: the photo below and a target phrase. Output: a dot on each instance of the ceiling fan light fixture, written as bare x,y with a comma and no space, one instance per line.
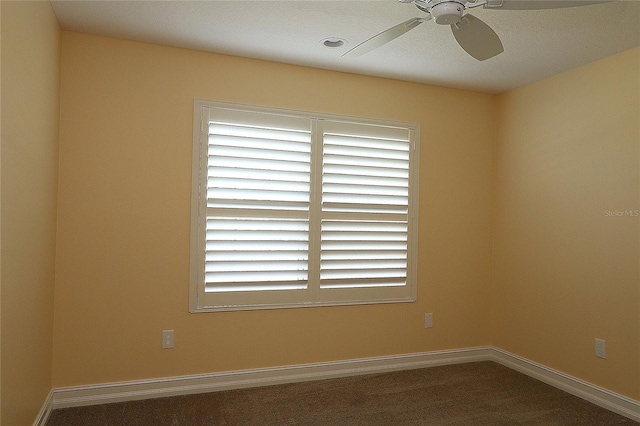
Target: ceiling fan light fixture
447,12
473,35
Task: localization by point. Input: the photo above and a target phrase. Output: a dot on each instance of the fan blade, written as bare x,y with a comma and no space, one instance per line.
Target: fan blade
477,38
385,37
538,4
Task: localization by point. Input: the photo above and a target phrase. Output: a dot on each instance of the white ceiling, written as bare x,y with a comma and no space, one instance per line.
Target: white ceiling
537,43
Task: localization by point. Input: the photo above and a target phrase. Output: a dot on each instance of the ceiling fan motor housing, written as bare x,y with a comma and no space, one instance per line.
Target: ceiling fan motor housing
446,12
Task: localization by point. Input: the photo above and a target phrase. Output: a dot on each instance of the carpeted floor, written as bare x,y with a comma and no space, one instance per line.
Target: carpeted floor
481,393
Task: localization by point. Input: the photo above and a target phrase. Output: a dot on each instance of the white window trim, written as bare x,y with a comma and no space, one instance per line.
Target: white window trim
197,297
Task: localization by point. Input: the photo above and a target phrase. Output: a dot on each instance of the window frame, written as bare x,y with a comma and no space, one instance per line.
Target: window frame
310,297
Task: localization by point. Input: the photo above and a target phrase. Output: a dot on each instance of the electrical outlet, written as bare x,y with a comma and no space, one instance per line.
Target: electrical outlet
428,320
601,348
167,339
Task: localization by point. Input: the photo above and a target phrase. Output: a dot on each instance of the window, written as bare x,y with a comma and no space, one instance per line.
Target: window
292,209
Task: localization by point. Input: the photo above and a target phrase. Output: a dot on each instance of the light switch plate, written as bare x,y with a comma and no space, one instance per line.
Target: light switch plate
428,320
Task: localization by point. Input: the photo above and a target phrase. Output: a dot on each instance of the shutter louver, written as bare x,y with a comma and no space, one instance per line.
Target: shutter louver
365,193
257,232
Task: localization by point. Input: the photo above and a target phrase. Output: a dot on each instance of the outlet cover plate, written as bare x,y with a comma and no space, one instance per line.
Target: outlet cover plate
601,348
167,339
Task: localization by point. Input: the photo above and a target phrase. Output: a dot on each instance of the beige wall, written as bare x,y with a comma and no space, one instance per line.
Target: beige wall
123,211
566,266
30,113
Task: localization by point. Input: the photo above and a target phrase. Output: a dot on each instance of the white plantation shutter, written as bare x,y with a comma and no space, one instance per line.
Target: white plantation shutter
365,210
257,232
365,197
291,209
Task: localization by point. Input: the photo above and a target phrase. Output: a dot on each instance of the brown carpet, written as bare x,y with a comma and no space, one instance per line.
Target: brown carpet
480,393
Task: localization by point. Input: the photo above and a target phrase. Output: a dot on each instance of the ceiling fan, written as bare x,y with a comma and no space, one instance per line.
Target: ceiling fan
472,34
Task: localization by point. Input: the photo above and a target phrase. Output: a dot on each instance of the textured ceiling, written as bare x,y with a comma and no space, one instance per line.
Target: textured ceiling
537,43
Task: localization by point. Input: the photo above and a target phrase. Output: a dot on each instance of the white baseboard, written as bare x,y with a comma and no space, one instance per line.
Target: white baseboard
602,397
45,411
185,385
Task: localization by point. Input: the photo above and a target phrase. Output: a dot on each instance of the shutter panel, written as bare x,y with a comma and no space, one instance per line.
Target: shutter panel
257,199
365,201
